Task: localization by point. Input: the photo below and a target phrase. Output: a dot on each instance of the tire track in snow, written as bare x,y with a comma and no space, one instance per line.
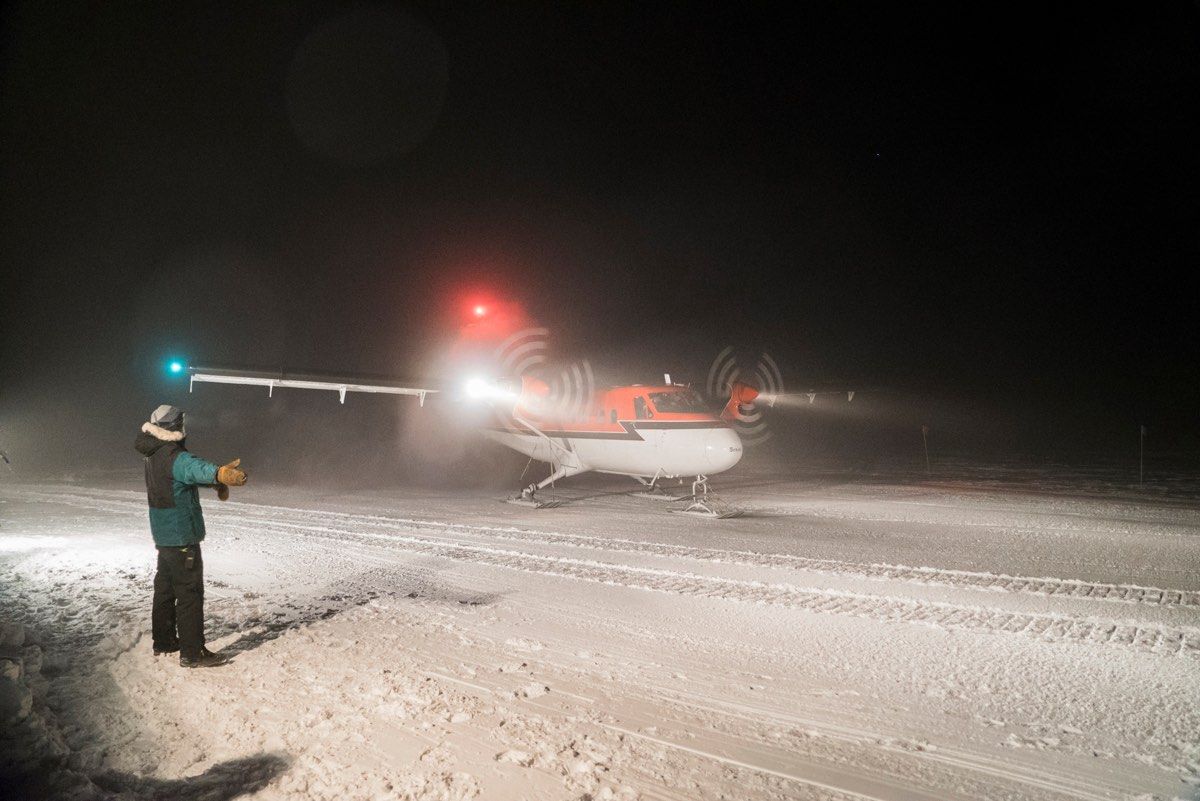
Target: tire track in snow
1048,628
1165,640
931,576
1059,587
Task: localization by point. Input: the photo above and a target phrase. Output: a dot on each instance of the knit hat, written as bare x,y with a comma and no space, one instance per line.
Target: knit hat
168,417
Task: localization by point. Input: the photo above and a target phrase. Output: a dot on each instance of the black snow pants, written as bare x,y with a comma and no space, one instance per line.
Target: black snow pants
178,615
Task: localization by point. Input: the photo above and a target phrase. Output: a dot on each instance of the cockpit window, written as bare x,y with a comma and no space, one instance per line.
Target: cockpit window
680,401
640,410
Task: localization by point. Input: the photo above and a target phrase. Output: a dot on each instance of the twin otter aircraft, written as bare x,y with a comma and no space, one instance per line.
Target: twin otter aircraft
649,433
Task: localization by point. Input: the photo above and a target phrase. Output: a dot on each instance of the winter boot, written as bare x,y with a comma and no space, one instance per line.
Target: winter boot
159,650
206,658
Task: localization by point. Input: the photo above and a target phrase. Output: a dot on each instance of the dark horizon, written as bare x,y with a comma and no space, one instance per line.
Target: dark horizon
990,213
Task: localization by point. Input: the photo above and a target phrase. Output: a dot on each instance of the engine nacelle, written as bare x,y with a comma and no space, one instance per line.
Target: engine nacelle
741,398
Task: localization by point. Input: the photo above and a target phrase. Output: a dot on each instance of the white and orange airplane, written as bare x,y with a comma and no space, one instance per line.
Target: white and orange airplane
649,433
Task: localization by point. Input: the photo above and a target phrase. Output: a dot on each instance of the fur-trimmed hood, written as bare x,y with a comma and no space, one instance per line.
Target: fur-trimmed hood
158,432
153,437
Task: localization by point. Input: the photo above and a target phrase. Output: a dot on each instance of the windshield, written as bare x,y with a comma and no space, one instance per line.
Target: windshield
679,401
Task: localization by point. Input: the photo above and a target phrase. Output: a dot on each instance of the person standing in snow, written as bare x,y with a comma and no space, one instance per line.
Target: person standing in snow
177,524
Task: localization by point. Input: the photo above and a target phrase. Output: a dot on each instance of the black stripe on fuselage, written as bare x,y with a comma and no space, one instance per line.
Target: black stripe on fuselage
630,432
667,424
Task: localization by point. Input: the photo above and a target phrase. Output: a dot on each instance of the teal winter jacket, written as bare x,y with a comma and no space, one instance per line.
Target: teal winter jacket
172,478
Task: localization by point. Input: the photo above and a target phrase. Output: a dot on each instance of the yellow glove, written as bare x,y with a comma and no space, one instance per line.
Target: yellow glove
222,492
230,475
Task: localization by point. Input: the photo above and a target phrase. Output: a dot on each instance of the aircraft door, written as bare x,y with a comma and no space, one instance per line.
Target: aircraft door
641,409
653,437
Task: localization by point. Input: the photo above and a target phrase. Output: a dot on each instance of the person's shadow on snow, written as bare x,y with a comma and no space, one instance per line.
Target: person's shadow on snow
226,780
421,583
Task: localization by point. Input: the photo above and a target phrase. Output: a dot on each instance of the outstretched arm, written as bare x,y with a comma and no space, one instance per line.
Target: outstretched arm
191,469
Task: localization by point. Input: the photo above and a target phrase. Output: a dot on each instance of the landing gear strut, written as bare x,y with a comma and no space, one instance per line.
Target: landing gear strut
654,491
707,504
528,496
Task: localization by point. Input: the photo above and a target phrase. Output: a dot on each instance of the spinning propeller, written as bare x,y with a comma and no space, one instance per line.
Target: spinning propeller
746,385
563,390
733,380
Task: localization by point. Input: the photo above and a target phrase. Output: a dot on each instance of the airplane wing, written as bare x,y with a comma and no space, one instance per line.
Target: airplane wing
271,380
811,394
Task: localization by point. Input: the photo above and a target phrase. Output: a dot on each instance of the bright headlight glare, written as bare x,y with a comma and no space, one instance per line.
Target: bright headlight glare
477,388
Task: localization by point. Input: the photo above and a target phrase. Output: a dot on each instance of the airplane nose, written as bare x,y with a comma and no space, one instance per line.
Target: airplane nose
722,449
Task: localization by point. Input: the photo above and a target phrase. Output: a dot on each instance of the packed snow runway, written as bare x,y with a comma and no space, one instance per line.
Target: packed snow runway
846,639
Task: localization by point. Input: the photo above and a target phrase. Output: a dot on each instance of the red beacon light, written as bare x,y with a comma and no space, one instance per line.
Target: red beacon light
480,310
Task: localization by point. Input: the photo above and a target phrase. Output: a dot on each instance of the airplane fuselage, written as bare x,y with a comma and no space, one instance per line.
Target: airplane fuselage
647,432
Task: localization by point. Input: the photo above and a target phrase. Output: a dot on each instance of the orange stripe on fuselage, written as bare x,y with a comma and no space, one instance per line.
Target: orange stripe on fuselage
598,420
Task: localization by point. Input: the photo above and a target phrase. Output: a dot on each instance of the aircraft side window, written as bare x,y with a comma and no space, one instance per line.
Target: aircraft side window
640,409
677,400
613,415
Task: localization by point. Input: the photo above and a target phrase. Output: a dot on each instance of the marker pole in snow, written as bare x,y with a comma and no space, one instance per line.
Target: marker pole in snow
1142,457
925,440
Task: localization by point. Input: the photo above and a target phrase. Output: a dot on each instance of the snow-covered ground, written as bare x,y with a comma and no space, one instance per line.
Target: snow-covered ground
859,639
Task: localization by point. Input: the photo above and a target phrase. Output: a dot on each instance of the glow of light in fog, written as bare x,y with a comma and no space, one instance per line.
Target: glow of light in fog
480,310
481,389
175,367
476,388
801,399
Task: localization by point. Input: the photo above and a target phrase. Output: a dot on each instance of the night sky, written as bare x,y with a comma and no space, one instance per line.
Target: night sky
994,211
